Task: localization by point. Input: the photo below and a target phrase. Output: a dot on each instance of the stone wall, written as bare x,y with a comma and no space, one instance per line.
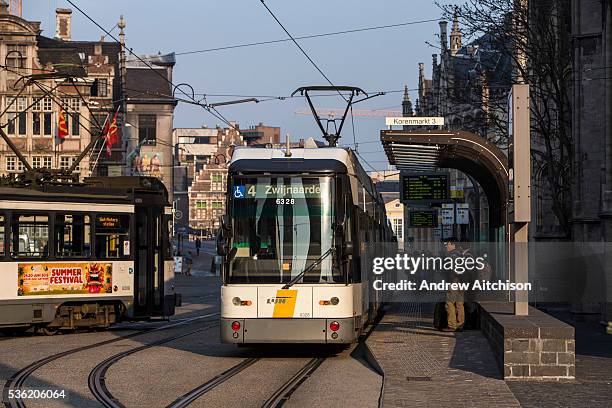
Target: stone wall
534,347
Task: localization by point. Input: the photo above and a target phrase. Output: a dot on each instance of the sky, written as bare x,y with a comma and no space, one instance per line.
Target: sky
378,60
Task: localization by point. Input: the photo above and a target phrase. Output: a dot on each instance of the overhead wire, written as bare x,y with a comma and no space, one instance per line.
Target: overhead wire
304,37
173,87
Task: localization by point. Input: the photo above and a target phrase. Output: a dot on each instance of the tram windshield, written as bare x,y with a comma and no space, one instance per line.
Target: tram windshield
280,226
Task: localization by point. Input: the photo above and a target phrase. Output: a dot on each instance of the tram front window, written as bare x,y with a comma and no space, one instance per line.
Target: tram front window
280,226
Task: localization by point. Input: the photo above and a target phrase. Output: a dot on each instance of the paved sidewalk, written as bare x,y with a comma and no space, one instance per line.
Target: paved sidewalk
428,368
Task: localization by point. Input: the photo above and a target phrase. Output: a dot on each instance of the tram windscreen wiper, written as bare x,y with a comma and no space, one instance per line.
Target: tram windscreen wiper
310,267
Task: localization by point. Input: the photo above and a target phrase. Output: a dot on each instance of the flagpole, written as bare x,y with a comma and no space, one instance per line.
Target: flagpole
86,150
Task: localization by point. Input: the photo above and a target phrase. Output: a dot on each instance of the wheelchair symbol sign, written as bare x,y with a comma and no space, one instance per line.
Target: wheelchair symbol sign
239,191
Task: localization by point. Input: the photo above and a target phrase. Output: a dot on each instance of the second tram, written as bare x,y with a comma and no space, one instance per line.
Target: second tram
294,242
84,254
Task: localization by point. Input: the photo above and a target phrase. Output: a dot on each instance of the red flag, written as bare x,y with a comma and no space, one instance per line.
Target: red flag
112,134
62,126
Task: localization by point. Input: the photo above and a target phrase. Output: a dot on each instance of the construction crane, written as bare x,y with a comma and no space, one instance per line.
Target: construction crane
337,112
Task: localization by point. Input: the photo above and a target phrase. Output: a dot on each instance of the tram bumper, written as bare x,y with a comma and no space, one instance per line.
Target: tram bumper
288,331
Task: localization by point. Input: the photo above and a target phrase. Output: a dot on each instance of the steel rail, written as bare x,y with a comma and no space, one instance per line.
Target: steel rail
186,399
97,377
16,381
283,394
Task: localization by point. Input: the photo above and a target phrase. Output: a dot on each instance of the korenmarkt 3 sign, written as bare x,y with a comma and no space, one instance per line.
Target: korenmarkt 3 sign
415,121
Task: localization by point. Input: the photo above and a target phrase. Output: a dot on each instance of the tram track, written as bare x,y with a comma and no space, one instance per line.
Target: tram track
186,399
278,398
97,377
16,381
283,394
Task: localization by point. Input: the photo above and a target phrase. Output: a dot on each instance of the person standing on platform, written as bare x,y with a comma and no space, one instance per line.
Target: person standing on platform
455,311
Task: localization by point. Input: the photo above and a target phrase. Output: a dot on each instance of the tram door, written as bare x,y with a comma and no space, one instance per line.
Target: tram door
149,262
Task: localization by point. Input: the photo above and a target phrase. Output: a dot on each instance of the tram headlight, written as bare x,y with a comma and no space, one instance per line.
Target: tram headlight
334,301
236,301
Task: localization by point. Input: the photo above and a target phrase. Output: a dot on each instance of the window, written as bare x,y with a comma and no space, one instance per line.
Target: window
66,162
112,236
1,235
48,118
200,204
38,162
72,235
217,178
22,104
47,104
216,205
100,88
11,119
16,55
398,228
147,129
13,164
36,124
30,236
76,125
103,87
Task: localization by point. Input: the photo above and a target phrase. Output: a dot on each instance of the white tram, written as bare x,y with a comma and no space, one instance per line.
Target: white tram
83,254
295,245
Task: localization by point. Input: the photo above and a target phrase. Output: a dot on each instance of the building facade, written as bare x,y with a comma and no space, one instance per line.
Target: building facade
149,118
207,192
32,112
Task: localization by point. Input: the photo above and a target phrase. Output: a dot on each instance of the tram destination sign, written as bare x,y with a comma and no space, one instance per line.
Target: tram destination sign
424,187
422,219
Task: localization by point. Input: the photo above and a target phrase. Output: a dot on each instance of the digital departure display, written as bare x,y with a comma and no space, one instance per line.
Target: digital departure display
424,187
423,219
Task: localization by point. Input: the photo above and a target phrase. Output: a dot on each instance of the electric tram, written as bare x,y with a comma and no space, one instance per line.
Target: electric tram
83,254
295,243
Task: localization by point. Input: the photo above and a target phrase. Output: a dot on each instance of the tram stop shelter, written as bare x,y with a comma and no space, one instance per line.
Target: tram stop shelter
519,341
432,149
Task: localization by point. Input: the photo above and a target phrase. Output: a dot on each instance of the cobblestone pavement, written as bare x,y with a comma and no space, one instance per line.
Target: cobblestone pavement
428,368
593,385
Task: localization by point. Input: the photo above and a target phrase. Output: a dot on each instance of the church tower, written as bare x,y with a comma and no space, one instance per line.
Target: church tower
407,104
455,36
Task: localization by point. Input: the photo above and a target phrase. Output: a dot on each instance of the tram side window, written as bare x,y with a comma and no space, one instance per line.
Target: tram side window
72,235
1,235
112,236
30,236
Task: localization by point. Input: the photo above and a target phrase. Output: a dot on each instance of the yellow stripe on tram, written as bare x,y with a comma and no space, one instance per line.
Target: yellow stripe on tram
284,305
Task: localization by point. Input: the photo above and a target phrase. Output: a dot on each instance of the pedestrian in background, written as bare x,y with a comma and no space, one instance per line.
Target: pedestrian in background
198,246
189,262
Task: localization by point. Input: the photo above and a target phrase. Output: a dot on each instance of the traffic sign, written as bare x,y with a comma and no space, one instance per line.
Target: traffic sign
415,121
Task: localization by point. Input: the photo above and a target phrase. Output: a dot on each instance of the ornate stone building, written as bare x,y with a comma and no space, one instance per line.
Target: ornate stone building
33,114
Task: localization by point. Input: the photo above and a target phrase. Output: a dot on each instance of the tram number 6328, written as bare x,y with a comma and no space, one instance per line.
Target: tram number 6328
285,201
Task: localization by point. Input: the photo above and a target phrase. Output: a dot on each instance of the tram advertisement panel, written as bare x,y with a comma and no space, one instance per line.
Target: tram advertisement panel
64,278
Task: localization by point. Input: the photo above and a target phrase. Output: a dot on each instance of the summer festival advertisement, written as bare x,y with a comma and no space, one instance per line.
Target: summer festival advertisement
64,278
